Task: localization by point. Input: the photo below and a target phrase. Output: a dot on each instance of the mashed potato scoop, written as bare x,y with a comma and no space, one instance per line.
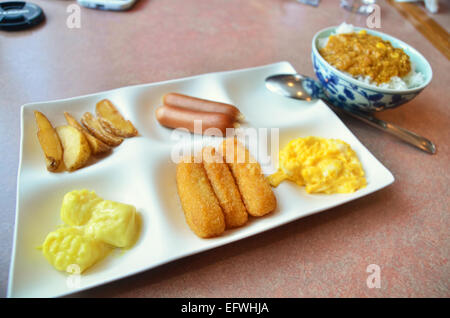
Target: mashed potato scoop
92,228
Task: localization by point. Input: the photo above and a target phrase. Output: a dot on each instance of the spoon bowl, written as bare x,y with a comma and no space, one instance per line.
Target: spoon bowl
295,86
304,88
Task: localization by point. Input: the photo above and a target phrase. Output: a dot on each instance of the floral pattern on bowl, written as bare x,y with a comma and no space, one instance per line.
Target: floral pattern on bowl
344,94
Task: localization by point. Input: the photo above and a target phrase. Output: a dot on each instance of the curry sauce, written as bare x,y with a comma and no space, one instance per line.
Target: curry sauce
362,54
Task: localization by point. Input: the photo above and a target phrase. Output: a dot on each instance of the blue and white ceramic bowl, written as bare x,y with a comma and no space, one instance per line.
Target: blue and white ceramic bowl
347,92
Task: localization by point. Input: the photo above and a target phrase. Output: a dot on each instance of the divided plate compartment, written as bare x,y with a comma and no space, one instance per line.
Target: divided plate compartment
141,172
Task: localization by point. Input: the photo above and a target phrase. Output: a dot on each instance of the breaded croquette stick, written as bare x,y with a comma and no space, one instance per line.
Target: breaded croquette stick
224,187
255,190
200,205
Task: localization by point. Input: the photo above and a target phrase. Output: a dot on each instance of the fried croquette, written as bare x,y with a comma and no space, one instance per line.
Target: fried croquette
224,187
255,190
200,205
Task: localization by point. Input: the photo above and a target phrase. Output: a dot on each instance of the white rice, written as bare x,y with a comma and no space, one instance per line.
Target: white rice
411,80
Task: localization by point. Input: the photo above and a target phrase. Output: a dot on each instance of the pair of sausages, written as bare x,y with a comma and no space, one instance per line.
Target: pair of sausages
199,116
217,194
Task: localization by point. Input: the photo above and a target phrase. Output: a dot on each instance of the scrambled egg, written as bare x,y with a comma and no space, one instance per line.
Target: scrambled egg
93,228
321,165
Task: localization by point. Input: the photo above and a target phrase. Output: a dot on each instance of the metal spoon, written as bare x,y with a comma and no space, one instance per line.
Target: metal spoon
305,88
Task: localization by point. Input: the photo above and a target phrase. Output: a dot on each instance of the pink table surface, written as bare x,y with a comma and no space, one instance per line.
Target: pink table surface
404,228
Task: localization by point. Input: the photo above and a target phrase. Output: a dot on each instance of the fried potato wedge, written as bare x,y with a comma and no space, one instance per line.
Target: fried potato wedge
75,145
95,128
49,140
97,146
113,121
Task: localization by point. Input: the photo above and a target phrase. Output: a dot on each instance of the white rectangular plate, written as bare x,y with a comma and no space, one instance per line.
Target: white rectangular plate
140,172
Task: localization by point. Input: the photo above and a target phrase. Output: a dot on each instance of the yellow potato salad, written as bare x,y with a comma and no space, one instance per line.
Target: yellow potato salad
77,207
69,245
113,223
93,227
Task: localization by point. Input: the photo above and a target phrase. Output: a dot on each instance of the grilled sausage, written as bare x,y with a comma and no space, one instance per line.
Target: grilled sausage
193,103
208,123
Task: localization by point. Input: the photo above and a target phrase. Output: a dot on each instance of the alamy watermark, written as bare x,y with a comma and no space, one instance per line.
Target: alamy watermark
262,143
73,21
374,279
373,21
73,281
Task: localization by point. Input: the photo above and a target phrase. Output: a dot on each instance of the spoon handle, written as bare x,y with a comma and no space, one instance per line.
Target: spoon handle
402,133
